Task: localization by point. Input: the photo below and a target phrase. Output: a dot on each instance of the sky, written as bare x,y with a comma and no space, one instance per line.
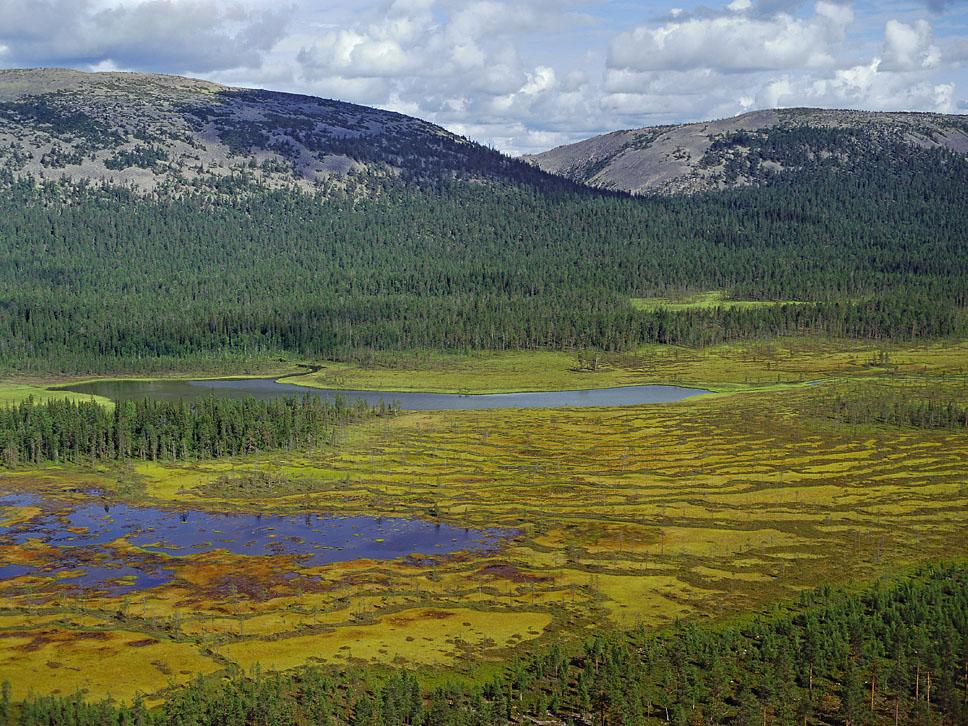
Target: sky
525,75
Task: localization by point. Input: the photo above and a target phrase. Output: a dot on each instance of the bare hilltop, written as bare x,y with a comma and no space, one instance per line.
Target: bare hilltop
746,150
148,131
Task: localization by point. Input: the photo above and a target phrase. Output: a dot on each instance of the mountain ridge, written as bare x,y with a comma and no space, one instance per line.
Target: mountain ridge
745,150
158,133
149,131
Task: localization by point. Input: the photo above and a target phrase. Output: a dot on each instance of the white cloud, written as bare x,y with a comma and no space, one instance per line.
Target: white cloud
696,82
746,57
457,63
352,55
776,92
735,42
870,87
543,79
170,35
521,74
909,47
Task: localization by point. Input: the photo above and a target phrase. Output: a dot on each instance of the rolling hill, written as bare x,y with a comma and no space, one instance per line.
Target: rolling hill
150,132
154,222
752,149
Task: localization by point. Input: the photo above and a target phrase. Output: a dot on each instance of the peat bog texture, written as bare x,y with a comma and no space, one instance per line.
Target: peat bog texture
632,516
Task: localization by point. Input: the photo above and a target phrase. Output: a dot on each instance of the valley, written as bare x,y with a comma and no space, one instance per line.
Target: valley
312,412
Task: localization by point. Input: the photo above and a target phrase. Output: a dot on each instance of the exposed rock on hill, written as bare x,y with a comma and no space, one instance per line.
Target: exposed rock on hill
748,149
151,131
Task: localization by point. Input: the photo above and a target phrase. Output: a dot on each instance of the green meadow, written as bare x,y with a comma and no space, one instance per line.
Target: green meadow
703,301
725,367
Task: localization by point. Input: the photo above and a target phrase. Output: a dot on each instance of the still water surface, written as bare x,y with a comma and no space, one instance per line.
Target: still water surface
267,388
89,539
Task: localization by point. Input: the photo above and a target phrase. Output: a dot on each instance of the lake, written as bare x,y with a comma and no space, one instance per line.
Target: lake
267,388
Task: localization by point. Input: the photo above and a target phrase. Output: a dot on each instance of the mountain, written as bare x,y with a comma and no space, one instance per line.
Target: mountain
152,131
752,149
183,224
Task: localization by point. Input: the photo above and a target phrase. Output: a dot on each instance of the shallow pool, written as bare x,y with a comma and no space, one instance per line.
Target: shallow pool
89,542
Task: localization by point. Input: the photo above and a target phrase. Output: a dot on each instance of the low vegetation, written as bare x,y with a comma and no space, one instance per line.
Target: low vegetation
628,517
703,301
724,367
11,393
890,654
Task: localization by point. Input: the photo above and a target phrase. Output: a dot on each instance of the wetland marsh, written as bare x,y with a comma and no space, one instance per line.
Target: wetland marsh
319,414
102,545
640,515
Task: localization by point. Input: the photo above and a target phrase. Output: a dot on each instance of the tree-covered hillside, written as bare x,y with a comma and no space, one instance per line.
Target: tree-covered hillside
99,278
748,150
152,218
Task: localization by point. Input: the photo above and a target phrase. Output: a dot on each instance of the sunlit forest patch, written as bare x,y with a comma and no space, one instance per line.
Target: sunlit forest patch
722,367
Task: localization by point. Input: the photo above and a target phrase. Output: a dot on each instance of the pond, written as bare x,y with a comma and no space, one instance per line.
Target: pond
98,544
267,388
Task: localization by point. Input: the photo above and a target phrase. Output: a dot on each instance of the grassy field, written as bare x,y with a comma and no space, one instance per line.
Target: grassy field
703,301
701,509
719,368
11,393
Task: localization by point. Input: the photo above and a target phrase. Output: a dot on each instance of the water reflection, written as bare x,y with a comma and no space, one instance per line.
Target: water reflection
91,540
267,388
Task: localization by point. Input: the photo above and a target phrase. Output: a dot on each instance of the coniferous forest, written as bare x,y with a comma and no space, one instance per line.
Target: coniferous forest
98,279
65,431
872,404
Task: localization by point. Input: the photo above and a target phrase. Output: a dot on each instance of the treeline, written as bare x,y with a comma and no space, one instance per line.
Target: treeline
924,408
894,654
68,431
94,277
891,319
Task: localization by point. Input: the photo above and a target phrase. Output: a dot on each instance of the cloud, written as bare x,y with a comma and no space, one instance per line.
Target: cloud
523,75
762,55
870,87
168,35
459,64
909,47
738,41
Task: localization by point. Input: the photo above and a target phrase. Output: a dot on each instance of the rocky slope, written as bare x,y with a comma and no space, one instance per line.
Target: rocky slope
153,132
166,133
745,150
